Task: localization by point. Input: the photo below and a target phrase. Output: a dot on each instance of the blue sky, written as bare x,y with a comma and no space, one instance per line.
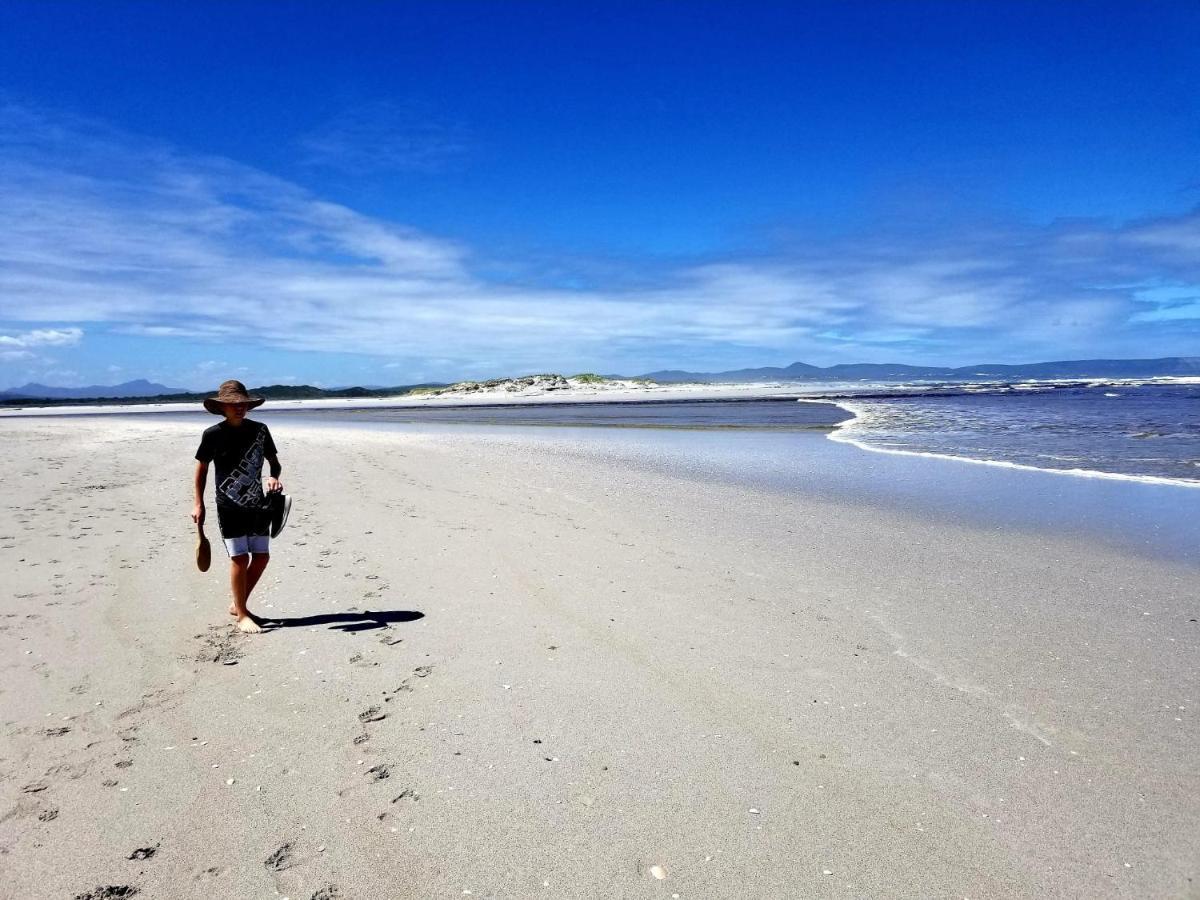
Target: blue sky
389,193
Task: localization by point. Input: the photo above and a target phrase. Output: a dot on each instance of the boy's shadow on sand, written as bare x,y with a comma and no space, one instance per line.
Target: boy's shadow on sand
349,622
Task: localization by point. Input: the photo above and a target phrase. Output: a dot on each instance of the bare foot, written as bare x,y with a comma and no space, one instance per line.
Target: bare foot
247,625
232,610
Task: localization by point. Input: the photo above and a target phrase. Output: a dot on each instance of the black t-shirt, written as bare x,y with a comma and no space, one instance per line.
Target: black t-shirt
237,452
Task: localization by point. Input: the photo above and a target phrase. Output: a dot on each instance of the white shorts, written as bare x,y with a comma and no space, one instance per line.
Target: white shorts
252,543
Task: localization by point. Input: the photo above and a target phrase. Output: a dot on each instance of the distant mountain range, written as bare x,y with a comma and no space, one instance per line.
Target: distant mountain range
1076,368
146,391
142,391
139,388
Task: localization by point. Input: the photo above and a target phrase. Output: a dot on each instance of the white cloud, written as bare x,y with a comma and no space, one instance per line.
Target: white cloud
43,337
101,227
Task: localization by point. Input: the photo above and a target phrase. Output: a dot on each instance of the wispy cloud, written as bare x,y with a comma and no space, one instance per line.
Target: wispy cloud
1165,304
103,228
385,136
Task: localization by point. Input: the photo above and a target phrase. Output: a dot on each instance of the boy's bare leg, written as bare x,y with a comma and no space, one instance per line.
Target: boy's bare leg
239,571
258,562
237,576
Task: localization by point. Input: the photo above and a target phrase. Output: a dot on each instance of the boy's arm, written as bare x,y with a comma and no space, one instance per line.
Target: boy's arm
199,481
273,483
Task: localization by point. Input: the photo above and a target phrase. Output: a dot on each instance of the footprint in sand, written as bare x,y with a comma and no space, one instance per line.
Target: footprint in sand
109,892
144,852
372,714
329,892
218,646
379,772
281,859
403,686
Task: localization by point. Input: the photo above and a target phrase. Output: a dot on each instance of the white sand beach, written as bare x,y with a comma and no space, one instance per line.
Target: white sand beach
506,670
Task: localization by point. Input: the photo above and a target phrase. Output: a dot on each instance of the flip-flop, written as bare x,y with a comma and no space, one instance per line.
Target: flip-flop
281,508
203,550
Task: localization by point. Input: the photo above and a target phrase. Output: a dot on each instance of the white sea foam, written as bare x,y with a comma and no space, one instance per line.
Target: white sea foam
861,416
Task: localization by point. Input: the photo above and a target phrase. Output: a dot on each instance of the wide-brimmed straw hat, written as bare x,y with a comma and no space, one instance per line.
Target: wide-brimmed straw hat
231,392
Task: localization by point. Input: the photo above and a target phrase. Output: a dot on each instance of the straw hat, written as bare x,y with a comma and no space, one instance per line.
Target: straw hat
231,392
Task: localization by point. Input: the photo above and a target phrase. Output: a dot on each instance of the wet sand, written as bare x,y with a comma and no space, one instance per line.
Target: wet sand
506,671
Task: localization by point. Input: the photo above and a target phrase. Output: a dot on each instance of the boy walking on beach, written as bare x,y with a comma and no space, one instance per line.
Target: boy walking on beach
238,447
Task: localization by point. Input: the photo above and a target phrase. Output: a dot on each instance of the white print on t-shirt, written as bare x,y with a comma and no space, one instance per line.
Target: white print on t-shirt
244,484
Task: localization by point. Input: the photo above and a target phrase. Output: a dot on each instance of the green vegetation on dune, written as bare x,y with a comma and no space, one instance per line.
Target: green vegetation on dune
546,381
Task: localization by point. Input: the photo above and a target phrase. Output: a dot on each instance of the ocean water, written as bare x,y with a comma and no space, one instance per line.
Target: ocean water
1144,431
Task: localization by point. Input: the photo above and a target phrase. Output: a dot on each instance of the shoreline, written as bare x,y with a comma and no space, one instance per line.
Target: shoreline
794,464
838,432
